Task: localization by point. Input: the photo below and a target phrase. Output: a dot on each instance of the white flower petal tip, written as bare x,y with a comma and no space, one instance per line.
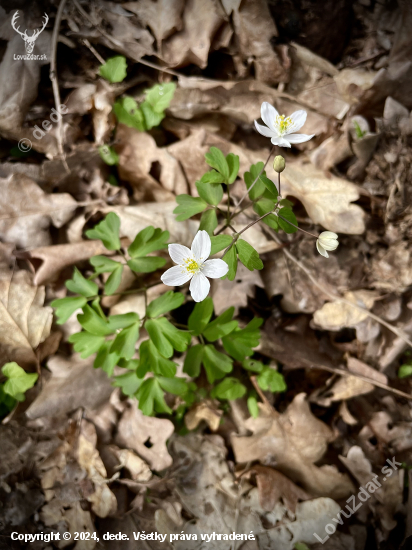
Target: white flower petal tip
280,128
328,240
193,264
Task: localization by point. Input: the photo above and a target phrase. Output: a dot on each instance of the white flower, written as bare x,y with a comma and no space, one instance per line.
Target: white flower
279,128
328,240
193,264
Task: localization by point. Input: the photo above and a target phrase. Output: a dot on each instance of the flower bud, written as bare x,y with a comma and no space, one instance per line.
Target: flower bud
279,164
328,240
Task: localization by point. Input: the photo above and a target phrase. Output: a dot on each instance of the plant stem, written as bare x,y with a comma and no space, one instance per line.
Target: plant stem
300,229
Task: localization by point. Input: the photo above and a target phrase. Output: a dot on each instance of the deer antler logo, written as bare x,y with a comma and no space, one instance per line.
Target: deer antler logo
29,40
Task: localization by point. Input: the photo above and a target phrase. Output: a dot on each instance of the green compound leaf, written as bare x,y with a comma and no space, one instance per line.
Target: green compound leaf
230,388
216,159
114,70
253,407
216,364
106,360
263,206
124,320
147,264
208,221
166,302
288,215
128,382
166,337
85,343
231,259
259,187
270,186
128,112
160,96
212,193
193,360
175,386
103,264
188,207
125,342
248,255
151,360
233,163
65,307
151,398
200,316
212,177
220,242
253,365
151,118
91,321
114,280
108,155
80,285
240,343
148,240
221,326
107,231
18,380
272,380
405,371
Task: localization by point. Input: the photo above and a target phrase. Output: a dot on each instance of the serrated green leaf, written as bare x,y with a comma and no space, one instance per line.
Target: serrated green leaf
216,364
208,221
106,360
231,259
252,405
108,155
193,360
405,371
166,337
80,285
151,118
240,343
200,316
212,177
114,70
151,360
124,320
259,187
103,264
233,163
270,186
107,231
188,207
160,96
125,342
151,397
148,240
230,388
253,365
288,215
220,242
175,386
65,307
93,323
18,380
148,264
128,112
85,343
114,280
217,160
248,255
166,302
212,193
272,380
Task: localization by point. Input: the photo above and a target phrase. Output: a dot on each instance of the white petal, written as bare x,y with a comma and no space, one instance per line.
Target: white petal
179,253
201,246
264,130
280,142
298,120
321,250
199,287
328,235
215,268
298,138
176,276
329,244
268,114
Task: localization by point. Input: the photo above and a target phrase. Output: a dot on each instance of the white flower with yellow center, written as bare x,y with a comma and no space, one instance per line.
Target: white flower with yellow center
328,240
194,264
280,128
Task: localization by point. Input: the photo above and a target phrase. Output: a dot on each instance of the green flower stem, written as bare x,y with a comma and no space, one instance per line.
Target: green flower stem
300,229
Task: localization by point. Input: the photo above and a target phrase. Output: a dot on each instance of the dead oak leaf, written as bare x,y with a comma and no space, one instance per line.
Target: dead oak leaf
327,200
294,441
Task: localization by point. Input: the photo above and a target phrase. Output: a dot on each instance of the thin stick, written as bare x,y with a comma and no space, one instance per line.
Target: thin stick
54,81
94,51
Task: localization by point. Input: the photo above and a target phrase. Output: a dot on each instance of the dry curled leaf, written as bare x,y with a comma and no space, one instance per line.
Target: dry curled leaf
203,411
337,315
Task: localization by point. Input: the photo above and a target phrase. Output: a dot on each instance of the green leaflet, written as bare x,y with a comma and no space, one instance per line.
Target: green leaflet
253,407
217,160
287,214
91,321
114,280
270,379
147,264
107,231
108,155
125,341
160,96
248,255
18,380
208,221
221,326
128,112
80,285
240,343
212,193
193,360
230,388
188,207
220,242
259,187
166,302
148,240
151,360
85,343
65,307
166,337
200,316
151,397
216,364
231,259
114,70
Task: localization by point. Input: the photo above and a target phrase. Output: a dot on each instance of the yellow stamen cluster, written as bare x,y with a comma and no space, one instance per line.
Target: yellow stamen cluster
191,266
283,123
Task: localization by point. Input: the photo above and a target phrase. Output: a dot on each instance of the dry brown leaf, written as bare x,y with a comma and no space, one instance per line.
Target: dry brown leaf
24,321
203,411
26,212
135,429
293,441
391,267
337,315
327,200
138,469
